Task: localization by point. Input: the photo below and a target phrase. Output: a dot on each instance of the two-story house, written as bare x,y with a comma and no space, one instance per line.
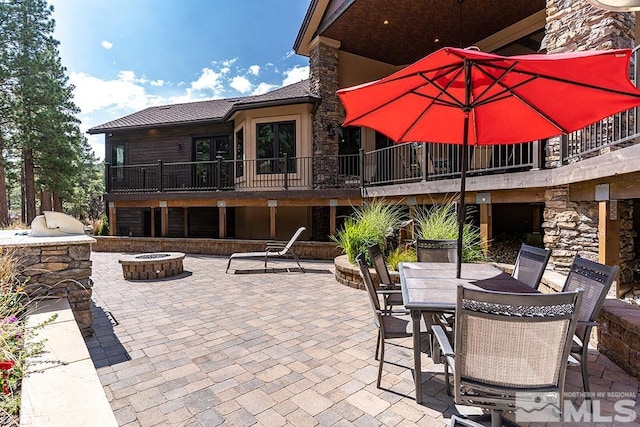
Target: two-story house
259,167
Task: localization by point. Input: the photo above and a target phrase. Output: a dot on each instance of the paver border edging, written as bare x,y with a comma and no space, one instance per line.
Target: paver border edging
62,385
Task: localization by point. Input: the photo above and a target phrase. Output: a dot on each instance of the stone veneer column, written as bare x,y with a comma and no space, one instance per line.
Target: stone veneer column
58,269
571,228
627,233
323,63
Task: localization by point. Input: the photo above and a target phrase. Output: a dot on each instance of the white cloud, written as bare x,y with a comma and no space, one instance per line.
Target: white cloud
241,84
93,94
229,62
263,88
209,80
130,76
156,82
127,76
106,44
295,74
289,54
254,69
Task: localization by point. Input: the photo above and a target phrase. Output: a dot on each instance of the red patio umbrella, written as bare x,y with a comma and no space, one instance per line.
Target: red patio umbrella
460,96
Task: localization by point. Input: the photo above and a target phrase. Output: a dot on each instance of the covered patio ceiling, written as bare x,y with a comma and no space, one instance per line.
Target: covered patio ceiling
401,32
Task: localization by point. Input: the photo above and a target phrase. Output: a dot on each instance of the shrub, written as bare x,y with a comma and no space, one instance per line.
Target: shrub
400,254
368,225
102,228
440,222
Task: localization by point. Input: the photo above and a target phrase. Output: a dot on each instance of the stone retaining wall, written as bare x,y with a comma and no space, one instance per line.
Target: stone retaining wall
619,334
349,274
304,250
57,267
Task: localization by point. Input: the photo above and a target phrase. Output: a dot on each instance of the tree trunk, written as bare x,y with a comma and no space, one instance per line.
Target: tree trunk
45,201
57,202
29,185
4,200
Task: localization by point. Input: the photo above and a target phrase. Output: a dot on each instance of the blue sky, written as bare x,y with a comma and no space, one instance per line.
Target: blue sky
125,55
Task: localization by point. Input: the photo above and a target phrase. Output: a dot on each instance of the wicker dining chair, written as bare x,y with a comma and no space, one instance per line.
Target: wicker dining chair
530,265
507,346
390,323
595,279
377,258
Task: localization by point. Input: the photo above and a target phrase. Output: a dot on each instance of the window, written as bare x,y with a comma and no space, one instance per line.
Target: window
349,150
118,161
117,154
274,141
206,153
240,152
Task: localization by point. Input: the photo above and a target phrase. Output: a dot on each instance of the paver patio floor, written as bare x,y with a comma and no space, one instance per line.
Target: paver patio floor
208,348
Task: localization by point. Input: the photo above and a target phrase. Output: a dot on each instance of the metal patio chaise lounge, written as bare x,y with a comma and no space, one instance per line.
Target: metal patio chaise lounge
272,250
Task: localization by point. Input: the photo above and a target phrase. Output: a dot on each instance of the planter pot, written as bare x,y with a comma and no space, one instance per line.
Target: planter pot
436,250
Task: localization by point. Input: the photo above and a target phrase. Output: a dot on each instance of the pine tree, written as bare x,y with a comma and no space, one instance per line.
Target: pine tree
41,124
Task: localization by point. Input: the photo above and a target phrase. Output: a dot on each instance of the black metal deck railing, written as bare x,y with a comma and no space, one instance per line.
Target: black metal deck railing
283,173
400,163
428,161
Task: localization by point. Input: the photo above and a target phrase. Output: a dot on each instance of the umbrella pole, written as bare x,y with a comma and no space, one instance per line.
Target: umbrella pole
463,170
461,206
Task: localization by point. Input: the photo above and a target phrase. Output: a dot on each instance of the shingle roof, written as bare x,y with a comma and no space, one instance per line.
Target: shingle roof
208,111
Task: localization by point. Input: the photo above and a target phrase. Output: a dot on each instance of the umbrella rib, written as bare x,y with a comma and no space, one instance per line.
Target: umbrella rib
448,69
570,82
438,101
511,91
506,90
495,80
443,91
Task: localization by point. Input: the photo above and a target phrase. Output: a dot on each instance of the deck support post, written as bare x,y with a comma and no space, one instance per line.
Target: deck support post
164,219
273,210
609,235
486,226
222,222
112,219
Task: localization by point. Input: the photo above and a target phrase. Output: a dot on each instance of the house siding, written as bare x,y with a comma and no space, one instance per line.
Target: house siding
164,143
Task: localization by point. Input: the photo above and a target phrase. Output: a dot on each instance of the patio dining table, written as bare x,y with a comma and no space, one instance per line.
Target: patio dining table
429,289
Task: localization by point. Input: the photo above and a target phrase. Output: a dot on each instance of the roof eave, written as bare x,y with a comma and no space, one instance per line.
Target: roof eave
94,131
310,23
273,103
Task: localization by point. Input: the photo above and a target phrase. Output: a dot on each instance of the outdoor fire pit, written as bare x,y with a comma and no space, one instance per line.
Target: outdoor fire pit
151,266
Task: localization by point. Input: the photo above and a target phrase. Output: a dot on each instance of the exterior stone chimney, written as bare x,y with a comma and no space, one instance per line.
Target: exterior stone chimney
323,61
